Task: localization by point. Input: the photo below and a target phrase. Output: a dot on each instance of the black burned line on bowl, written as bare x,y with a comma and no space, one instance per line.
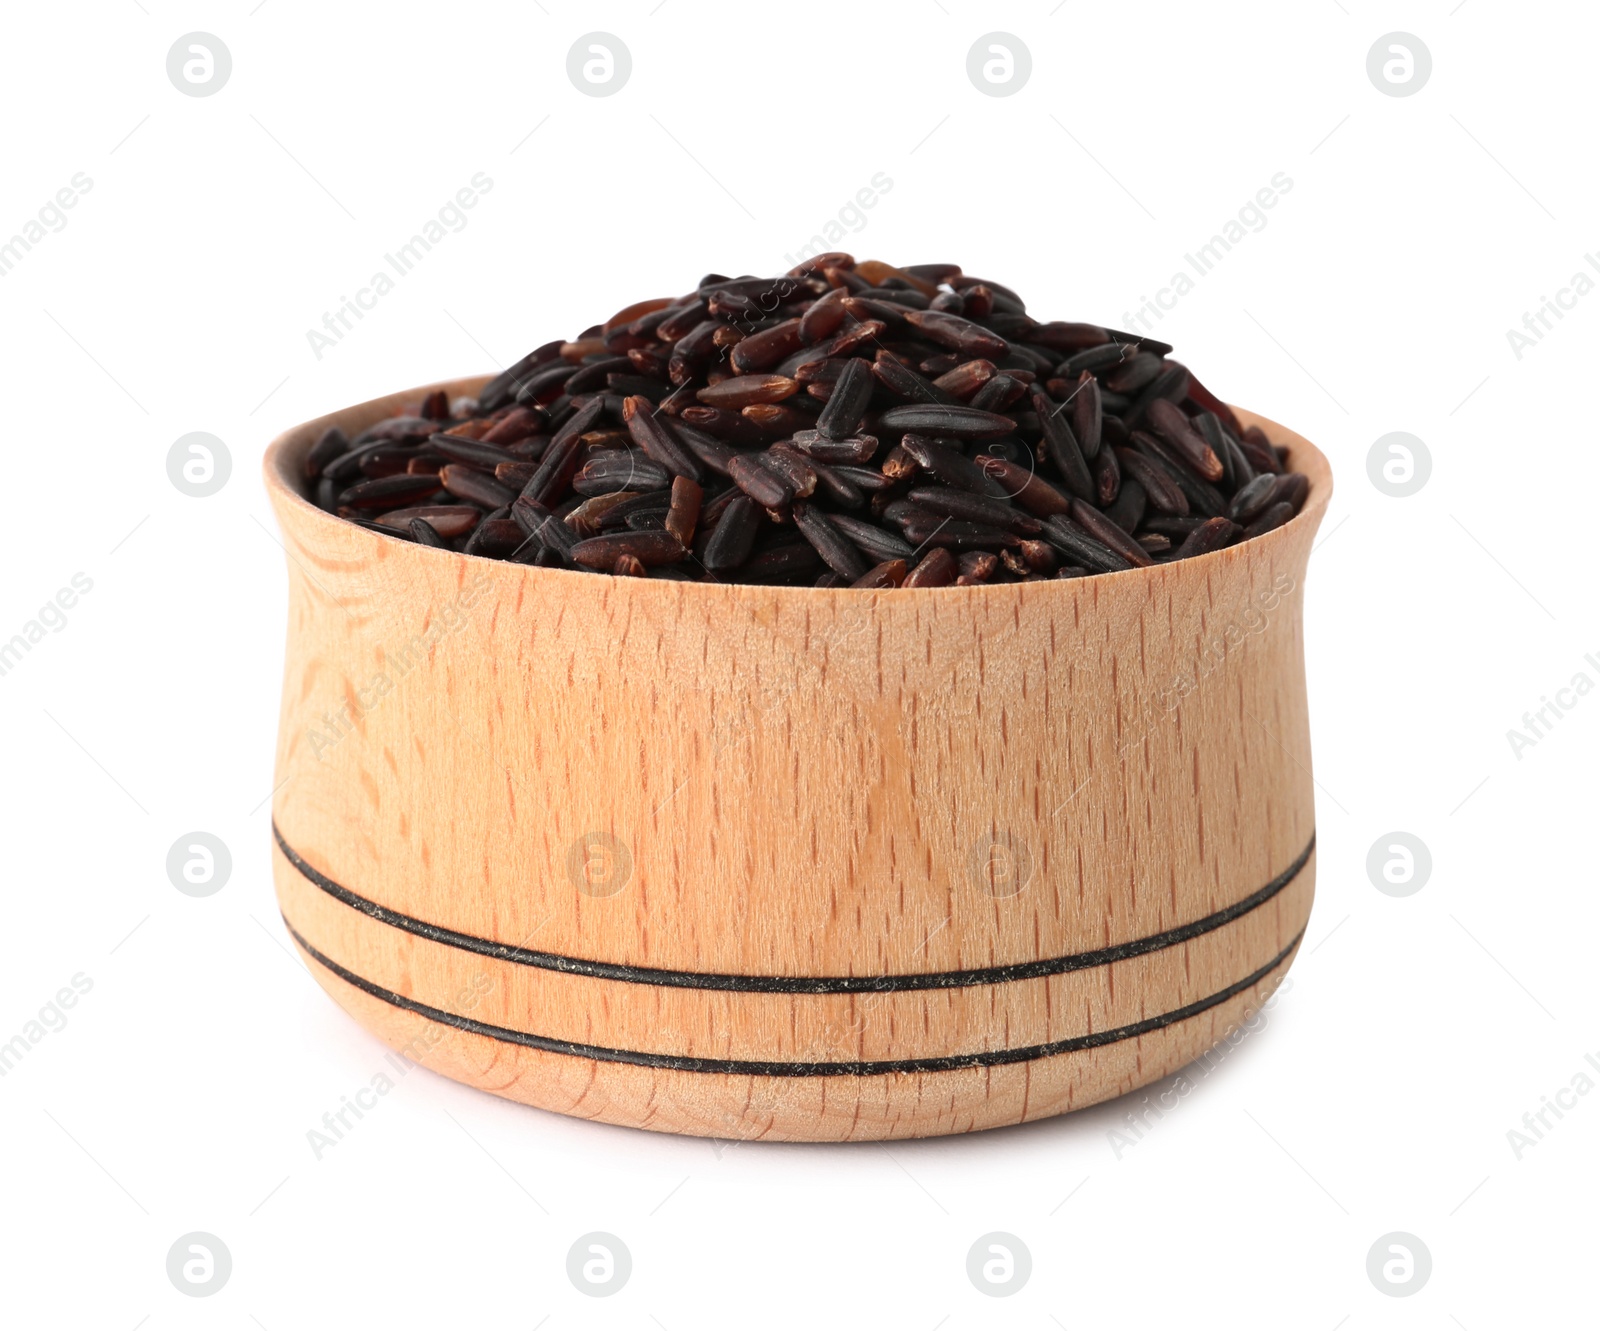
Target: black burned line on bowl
799,984
755,1067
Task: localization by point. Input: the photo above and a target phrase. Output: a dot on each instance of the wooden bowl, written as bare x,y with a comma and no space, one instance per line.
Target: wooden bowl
787,863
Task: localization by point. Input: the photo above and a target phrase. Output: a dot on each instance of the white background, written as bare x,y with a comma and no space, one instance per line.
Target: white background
1416,1033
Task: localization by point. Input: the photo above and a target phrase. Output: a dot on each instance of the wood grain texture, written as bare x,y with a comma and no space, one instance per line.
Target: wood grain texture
790,782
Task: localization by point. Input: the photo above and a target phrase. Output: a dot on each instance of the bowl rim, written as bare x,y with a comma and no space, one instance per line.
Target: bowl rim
281,476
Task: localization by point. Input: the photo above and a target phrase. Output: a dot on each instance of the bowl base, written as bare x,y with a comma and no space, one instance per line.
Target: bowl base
805,1108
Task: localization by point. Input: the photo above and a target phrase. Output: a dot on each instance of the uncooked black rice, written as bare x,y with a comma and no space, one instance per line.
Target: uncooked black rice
847,424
